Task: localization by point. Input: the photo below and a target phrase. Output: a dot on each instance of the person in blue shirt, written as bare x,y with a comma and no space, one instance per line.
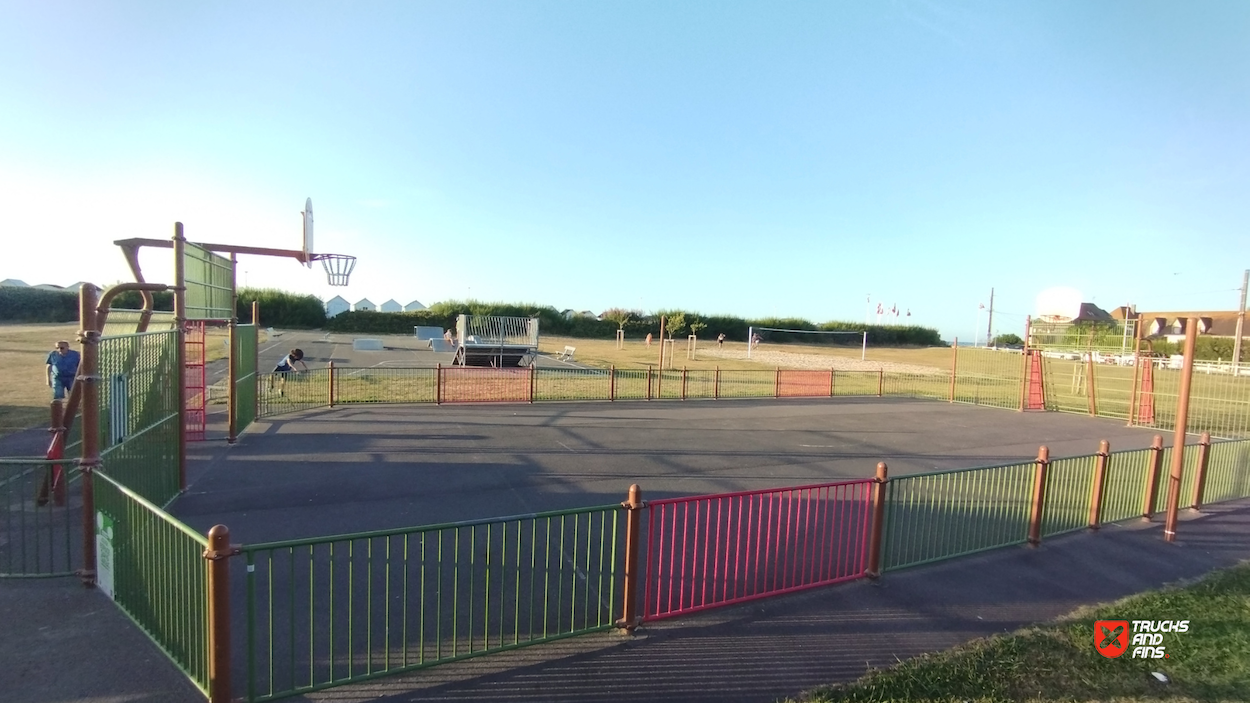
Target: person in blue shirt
286,366
61,370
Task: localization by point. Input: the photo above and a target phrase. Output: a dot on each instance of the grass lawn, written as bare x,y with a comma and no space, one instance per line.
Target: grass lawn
1058,662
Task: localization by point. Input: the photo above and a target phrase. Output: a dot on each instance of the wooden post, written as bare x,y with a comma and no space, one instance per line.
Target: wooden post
218,557
878,520
633,522
716,384
1024,382
1182,423
683,383
777,383
612,382
438,384
880,382
1133,397
1100,483
1152,479
533,380
648,381
1039,496
1200,483
1090,393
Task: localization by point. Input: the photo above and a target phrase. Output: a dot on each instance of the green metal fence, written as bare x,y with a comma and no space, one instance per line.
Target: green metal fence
40,518
1069,489
329,611
385,385
988,377
935,516
1124,490
139,429
245,342
279,393
153,567
1228,472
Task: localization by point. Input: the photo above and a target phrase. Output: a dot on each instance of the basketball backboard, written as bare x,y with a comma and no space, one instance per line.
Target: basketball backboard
308,233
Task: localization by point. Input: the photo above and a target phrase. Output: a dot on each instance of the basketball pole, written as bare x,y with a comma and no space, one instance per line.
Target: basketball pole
863,352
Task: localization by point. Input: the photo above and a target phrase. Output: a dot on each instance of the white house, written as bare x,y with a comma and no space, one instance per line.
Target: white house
364,304
391,306
414,306
337,306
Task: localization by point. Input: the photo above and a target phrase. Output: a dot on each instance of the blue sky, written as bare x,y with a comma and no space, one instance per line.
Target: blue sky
749,158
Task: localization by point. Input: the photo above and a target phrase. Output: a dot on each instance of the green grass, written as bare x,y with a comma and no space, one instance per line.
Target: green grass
1058,662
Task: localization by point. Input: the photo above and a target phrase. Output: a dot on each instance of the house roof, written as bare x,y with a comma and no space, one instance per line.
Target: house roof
339,298
1216,323
364,301
14,282
415,305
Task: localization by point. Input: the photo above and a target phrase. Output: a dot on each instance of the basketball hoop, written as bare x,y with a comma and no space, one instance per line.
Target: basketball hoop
338,267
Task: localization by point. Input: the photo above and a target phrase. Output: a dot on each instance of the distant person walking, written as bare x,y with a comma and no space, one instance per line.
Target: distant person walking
285,367
648,339
62,367
720,340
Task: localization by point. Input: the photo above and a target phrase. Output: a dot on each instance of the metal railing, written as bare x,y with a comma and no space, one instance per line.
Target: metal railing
328,611
153,567
710,551
40,518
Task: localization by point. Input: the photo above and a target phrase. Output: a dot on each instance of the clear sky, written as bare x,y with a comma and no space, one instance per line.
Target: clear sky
750,158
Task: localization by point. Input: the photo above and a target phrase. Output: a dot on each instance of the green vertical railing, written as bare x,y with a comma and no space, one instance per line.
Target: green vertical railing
385,385
279,393
329,611
139,412
1069,490
154,569
1125,485
1228,472
986,377
940,515
245,341
572,384
40,527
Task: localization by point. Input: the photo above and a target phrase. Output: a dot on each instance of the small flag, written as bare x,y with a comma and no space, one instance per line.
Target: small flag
909,313
981,306
894,311
880,310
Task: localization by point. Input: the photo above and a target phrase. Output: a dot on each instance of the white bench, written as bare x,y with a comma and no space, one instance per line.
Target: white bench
567,354
367,345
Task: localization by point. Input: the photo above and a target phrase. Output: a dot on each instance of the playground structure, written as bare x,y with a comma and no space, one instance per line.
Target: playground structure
496,341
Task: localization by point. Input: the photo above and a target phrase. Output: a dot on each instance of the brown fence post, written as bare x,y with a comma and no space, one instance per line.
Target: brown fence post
1200,482
1039,495
1182,423
831,372
1100,483
878,520
633,523
89,377
1090,391
612,382
954,366
438,384
1152,479
648,381
683,383
218,557
330,382
533,380
180,324
716,384
777,383
880,382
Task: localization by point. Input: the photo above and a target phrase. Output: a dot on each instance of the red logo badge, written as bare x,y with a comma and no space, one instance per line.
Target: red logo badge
1111,637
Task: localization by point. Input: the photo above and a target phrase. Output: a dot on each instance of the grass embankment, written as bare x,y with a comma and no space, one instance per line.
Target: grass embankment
24,392
1058,662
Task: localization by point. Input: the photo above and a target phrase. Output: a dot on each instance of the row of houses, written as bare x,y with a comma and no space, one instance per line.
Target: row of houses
339,305
1169,325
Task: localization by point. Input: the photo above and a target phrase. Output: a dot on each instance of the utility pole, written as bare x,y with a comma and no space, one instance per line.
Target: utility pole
1241,321
989,327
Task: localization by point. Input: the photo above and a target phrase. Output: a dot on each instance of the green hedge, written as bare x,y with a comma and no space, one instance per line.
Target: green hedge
37,305
281,309
553,323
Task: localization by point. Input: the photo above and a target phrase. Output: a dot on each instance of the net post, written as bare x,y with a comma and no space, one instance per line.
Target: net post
1101,460
1039,496
1200,483
878,520
863,350
1182,423
1152,479
750,340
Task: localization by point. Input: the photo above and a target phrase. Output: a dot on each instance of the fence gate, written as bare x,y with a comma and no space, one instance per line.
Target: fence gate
715,550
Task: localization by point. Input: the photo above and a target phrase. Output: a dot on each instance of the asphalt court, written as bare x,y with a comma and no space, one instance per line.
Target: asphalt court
355,468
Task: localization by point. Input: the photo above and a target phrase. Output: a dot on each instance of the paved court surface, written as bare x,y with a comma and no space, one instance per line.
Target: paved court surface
354,468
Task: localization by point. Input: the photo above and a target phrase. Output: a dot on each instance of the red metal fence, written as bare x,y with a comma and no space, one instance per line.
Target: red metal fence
471,384
800,383
715,550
